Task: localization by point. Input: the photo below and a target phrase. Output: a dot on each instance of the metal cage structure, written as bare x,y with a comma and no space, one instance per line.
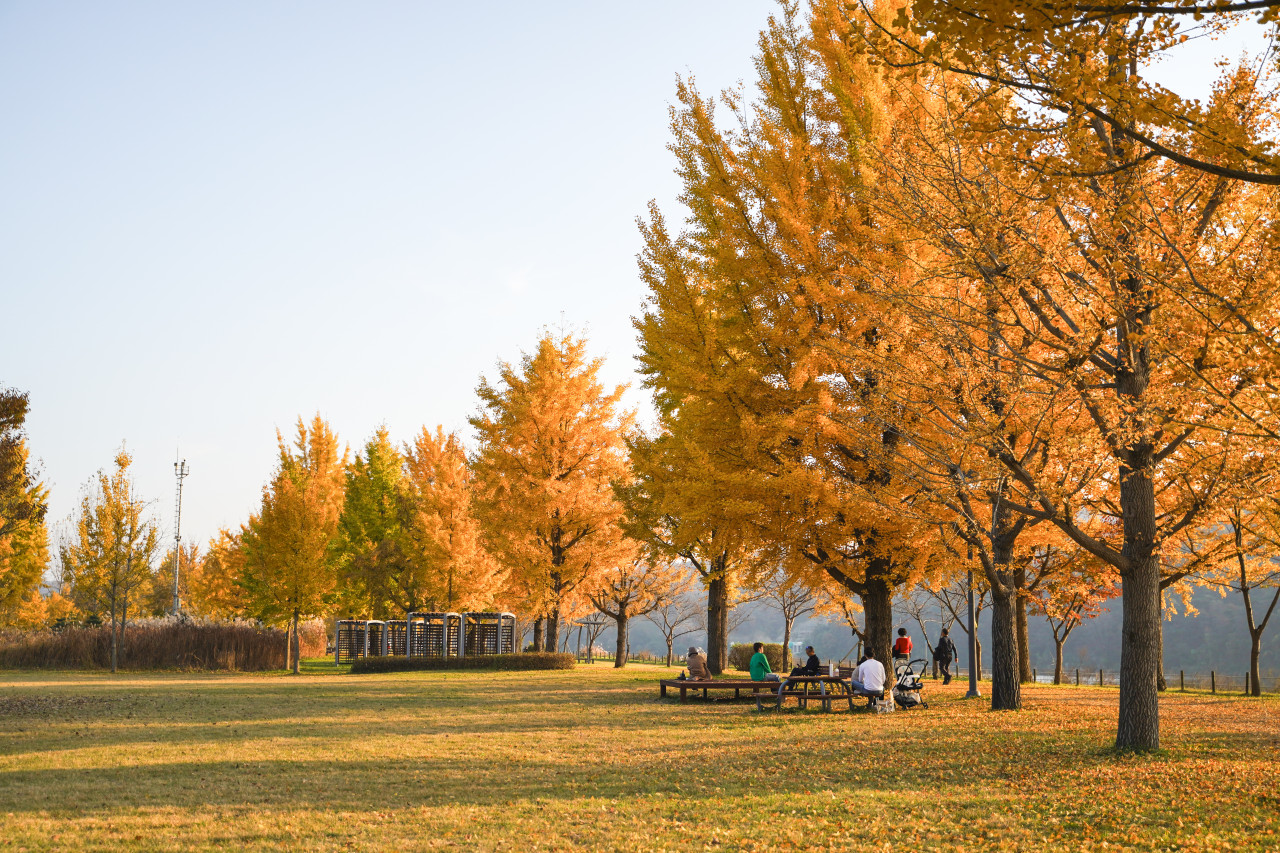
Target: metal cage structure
350,640
397,635
375,638
433,635
489,633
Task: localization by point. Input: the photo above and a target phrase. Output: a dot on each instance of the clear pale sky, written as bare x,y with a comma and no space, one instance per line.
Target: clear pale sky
215,218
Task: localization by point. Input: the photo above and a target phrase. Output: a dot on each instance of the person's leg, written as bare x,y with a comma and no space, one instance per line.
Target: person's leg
946,671
772,676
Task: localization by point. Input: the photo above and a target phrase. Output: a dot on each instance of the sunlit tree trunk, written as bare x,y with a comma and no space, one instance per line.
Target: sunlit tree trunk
718,623
1020,612
620,658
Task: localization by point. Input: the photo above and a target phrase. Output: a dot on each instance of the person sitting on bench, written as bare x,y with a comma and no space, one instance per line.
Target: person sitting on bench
697,662
902,646
868,679
811,667
759,666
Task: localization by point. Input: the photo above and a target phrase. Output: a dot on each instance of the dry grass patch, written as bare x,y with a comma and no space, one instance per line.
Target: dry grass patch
591,759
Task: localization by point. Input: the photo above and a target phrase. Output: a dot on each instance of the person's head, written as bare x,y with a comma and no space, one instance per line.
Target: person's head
757,647
902,632
944,632
694,650
868,656
808,650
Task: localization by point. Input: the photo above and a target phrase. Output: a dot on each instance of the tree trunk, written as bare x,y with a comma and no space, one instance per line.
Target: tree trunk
115,643
977,660
1255,676
295,648
1057,659
553,628
537,635
115,650
718,624
670,651
1006,692
1160,682
877,607
1138,727
1020,613
786,645
620,658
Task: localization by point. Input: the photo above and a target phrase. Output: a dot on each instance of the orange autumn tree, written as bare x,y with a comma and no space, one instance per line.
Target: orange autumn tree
24,539
1077,587
551,448
1045,55
677,507
757,331
451,569
108,556
1130,303
289,569
213,587
631,589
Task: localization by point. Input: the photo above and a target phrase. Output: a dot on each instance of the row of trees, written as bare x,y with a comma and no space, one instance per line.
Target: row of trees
958,289
962,289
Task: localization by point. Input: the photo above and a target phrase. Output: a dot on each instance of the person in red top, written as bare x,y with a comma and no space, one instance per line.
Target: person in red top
902,645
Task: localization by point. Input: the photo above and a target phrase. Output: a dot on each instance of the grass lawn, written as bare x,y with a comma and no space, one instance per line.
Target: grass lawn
590,758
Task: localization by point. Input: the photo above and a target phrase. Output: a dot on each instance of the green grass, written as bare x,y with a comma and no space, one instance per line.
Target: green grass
591,759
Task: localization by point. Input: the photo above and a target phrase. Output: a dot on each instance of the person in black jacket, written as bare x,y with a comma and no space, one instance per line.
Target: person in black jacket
944,653
811,667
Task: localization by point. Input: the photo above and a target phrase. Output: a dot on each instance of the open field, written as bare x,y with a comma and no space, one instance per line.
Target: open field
591,759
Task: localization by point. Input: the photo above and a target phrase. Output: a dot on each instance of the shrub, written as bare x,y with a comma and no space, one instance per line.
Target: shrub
172,642
524,661
740,656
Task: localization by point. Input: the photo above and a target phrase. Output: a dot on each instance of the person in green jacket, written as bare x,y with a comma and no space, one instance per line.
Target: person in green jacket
759,666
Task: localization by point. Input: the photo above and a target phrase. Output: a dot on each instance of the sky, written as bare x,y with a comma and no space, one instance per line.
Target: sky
217,218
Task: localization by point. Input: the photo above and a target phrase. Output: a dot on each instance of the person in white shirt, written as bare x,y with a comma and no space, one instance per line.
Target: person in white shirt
868,679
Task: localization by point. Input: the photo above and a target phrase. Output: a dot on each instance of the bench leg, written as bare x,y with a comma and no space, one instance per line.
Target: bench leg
662,691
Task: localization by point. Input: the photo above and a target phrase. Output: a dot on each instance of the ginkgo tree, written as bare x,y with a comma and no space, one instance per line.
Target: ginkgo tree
677,508
634,589
1093,61
551,447
24,539
758,334
109,555
369,548
448,566
289,568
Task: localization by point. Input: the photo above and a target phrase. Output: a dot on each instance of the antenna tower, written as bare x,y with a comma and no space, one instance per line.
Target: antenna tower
179,471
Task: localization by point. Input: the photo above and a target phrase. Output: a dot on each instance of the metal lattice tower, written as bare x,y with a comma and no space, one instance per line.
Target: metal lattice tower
179,471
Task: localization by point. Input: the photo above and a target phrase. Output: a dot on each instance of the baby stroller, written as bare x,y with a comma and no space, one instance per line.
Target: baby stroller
907,684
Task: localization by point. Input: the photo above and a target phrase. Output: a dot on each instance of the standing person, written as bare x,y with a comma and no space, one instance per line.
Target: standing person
902,646
944,653
697,662
759,666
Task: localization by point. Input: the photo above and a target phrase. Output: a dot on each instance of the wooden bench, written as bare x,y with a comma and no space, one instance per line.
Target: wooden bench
737,685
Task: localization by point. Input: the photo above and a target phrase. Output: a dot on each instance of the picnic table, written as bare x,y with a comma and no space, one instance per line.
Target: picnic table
824,688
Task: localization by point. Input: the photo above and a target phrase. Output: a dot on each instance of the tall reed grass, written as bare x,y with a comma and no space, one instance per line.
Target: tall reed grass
171,642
